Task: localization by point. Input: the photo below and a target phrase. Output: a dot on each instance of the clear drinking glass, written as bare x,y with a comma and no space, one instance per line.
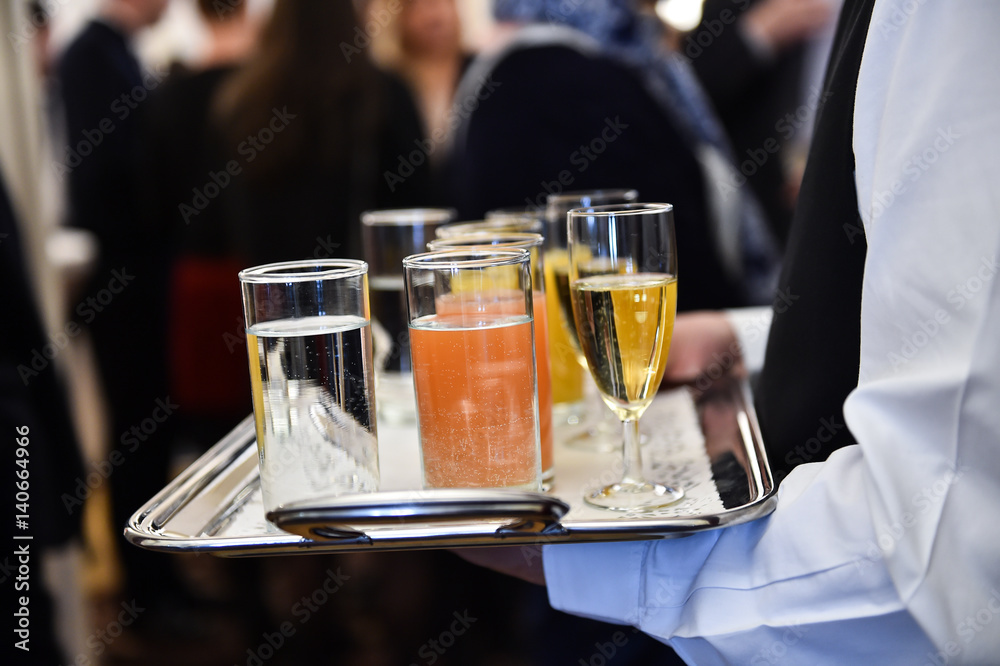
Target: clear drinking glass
388,236
623,285
533,244
472,350
516,212
569,367
310,350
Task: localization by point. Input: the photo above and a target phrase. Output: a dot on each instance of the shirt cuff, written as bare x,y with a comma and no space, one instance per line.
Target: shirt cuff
596,580
751,326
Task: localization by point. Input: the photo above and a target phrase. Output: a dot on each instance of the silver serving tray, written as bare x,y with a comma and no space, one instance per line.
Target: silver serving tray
707,442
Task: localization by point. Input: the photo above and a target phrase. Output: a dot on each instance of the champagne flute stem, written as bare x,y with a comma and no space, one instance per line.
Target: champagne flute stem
633,453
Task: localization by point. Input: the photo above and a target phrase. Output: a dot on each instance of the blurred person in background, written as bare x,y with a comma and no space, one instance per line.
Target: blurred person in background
182,150
232,33
103,90
423,45
587,96
313,135
206,353
755,60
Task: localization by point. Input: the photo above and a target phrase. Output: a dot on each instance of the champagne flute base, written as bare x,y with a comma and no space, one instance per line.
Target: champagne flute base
632,496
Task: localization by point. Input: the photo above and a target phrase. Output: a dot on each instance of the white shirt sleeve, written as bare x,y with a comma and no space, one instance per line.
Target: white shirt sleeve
888,552
751,326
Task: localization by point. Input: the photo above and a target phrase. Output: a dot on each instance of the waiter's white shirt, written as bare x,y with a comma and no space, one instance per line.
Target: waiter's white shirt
888,552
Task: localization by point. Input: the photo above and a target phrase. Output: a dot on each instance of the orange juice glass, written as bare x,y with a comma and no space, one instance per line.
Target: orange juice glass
533,244
472,345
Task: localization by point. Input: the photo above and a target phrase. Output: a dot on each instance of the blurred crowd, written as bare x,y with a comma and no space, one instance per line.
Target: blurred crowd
267,144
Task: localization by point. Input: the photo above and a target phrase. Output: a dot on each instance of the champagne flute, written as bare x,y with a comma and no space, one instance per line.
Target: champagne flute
569,367
623,284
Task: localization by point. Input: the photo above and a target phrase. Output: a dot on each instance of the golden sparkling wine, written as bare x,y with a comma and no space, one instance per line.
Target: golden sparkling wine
567,373
625,324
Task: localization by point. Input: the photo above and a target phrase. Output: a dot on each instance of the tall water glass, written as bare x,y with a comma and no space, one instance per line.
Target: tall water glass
533,244
310,350
472,349
388,236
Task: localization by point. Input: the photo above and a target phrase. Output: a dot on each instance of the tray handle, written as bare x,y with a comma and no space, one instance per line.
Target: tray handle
346,518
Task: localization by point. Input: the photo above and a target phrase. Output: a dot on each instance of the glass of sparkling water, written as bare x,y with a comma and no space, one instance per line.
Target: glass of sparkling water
310,348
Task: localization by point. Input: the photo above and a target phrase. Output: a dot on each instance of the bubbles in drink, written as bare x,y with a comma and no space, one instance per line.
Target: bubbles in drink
315,407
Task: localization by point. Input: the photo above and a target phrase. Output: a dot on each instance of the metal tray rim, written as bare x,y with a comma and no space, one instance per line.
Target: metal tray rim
145,527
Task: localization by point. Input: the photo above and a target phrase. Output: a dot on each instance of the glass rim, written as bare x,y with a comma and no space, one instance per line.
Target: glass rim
453,259
507,212
513,239
563,197
407,216
456,228
285,271
626,209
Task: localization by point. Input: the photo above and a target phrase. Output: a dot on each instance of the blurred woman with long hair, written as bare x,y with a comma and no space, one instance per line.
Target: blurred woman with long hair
315,134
